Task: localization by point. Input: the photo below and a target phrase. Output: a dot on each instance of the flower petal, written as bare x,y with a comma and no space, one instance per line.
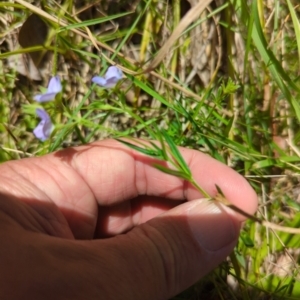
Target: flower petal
54,85
99,80
111,82
42,114
113,72
112,76
44,97
45,127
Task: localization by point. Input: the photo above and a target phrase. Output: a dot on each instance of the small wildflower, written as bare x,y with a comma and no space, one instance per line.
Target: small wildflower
111,77
54,87
45,127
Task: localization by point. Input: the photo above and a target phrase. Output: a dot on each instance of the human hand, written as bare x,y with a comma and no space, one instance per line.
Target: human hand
57,211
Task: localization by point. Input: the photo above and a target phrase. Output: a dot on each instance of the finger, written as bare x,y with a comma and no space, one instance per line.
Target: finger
107,173
125,174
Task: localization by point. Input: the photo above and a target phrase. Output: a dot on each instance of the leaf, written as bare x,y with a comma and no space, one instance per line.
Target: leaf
146,151
219,190
274,66
176,154
166,170
245,237
93,21
296,25
149,91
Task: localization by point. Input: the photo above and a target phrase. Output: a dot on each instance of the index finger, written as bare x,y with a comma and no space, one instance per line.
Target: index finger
106,173
116,173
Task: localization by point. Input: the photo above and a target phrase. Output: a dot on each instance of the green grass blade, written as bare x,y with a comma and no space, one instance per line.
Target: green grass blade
296,24
147,151
166,170
93,22
149,90
275,68
177,155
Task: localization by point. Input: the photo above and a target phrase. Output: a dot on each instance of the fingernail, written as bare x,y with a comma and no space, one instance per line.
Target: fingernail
211,224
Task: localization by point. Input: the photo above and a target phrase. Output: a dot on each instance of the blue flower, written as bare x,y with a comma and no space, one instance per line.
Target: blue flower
111,77
54,87
45,127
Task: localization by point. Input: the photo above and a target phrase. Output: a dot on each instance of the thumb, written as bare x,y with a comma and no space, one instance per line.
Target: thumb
169,253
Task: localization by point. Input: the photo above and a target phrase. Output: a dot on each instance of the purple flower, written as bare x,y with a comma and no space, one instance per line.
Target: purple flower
111,77
45,127
54,87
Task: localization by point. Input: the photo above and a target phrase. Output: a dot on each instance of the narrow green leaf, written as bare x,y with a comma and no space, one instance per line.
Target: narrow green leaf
176,154
146,151
278,73
166,170
245,237
93,22
268,56
296,106
149,90
219,190
296,24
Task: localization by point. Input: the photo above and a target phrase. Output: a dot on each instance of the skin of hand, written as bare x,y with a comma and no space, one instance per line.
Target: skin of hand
100,222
